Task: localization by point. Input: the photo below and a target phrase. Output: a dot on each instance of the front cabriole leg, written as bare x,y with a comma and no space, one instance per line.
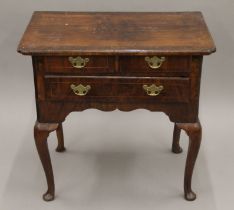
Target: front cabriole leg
41,132
194,131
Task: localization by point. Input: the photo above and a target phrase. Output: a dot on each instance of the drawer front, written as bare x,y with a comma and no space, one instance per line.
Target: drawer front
81,65
163,90
155,65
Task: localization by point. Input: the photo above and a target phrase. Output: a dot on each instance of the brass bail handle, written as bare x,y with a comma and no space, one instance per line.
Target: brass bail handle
153,90
78,62
80,89
155,62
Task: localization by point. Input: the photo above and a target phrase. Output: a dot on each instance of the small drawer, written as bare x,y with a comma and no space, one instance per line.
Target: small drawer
81,65
155,65
163,90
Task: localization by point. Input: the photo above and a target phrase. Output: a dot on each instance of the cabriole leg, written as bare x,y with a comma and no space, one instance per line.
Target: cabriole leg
59,132
41,132
194,131
176,140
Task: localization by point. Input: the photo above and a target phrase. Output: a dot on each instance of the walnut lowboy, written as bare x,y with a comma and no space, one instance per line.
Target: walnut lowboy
119,61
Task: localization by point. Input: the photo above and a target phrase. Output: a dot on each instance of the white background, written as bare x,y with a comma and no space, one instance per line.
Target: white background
116,160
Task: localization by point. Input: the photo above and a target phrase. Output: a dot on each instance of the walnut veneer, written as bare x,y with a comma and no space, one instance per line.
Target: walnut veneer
119,61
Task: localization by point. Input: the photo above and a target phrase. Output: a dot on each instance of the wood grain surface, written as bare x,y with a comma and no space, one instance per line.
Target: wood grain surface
89,33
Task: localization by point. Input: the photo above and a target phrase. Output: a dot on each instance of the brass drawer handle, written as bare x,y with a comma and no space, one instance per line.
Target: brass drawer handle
155,62
80,89
153,90
78,62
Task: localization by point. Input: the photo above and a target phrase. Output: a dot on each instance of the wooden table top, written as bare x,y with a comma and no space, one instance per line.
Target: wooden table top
121,33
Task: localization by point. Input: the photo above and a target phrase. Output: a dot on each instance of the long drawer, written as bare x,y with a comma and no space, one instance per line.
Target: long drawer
166,90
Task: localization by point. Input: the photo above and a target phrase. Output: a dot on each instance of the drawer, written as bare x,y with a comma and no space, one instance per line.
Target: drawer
164,90
83,65
155,65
